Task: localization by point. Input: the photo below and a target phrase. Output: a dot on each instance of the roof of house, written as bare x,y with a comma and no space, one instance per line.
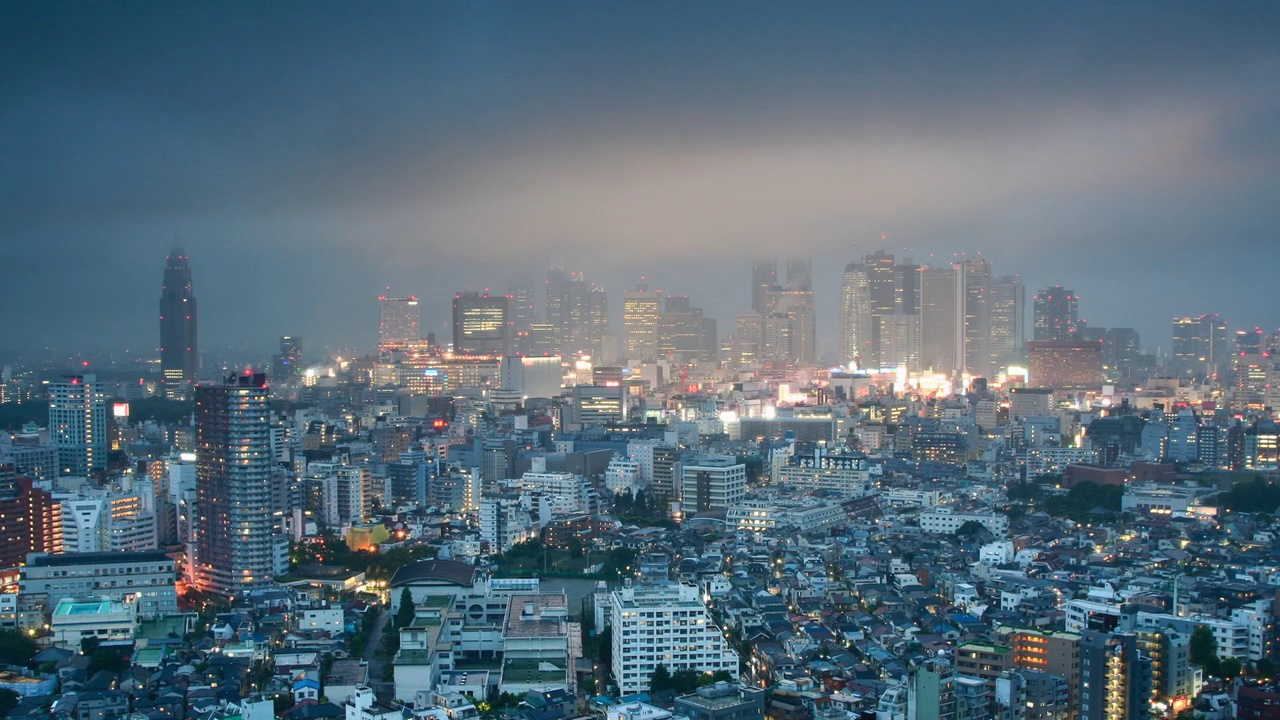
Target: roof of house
447,571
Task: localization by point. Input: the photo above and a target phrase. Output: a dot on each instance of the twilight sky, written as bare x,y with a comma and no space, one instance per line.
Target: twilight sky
309,154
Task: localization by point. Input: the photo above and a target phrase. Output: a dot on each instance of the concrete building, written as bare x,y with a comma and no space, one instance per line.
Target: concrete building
946,521
1064,365
846,475
238,547
664,624
149,577
713,482
536,641
723,701
74,621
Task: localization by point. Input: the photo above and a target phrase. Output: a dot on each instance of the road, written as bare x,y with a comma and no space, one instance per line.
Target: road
370,653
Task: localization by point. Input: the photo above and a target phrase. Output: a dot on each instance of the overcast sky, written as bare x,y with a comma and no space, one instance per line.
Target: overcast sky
307,154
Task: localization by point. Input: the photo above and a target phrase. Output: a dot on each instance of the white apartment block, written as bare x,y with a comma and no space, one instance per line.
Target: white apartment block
504,523
1042,460
623,475
846,475
664,624
903,497
713,482
945,521
568,492
1241,637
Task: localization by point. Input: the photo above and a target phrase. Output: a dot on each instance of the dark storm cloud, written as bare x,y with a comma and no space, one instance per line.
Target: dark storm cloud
309,153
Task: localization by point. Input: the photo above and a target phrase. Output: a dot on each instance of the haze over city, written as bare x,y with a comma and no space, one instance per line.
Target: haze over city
307,157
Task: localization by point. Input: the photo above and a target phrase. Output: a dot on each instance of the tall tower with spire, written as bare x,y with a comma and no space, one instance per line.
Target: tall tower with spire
179,353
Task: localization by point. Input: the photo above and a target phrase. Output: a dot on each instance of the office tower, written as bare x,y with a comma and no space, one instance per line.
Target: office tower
579,313
908,274
598,323
78,424
1121,351
764,278
665,489
288,362
1201,344
524,310
796,307
712,482
179,350
1115,679
237,548
941,319
641,310
1064,365
899,338
975,279
664,624
680,329
482,324
855,317
1008,301
1057,311
399,323
800,273
597,405
1249,342
884,289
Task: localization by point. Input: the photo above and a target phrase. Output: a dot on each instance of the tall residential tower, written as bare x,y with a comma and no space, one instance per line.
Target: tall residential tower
238,547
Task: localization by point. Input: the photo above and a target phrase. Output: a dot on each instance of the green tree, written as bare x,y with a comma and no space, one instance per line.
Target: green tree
8,701
685,681
107,659
970,529
660,679
404,615
16,648
1203,647
1229,668
1265,668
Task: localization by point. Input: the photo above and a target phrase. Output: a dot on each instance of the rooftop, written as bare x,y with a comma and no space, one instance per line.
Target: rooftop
446,571
98,558
537,615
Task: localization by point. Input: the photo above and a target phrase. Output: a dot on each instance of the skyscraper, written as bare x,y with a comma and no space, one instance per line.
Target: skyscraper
1200,342
238,547
975,278
1115,678
399,321
764,278
1056,314
179,352
288,362
78,424
1008,299
800,273
482,324
579,312
641,309
855,317
941,319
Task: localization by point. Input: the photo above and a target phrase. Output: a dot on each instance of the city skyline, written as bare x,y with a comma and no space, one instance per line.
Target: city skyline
1128,154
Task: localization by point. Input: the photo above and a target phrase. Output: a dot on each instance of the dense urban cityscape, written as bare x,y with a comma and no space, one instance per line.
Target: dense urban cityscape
920,488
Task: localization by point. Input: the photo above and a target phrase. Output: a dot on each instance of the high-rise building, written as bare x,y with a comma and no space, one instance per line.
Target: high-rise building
482,324
238,547
764,278
399,322
713,482
288,362
641,311
680,329
1121,349
855,317
78,424
664,624
579,313
1201,344
796,307
179,351
800,273
1115,679
975,278
1008,299
1057,311
1064,365
941,320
